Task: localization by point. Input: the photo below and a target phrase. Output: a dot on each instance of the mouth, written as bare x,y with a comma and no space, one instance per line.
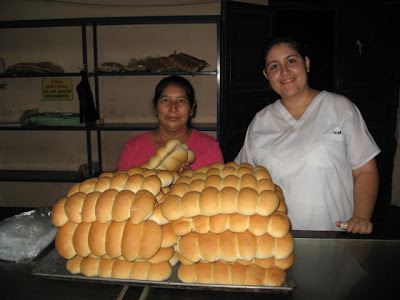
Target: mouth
287,81
173,119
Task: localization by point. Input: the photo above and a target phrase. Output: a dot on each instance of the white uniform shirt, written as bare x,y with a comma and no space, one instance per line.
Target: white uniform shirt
312,158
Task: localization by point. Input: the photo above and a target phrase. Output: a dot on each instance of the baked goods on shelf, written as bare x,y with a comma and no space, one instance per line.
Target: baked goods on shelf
174,62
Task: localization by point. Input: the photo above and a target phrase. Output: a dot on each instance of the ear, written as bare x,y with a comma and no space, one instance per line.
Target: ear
307,64
191,113
265,73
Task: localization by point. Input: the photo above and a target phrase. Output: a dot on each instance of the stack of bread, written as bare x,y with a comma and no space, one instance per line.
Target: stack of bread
104,222
232,224
226,223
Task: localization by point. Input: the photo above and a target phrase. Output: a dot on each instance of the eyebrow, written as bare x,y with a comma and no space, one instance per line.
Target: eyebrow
180,96
274,61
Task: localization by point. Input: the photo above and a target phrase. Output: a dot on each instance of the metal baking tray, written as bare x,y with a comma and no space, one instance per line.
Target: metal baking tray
52,266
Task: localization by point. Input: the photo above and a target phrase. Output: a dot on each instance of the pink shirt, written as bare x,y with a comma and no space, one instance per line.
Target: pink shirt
139,148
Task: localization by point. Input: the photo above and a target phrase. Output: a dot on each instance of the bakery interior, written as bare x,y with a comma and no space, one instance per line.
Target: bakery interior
355,55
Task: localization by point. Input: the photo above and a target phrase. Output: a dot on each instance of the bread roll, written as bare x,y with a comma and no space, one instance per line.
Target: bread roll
115,268
136,242
235,274
63,240
210,202
158,217
169,238
110,205
151,180
265,263
170,157
229,246
58,215
277,224
112,239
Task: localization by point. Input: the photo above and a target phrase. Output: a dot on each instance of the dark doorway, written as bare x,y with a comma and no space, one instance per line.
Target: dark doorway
352,53
316,29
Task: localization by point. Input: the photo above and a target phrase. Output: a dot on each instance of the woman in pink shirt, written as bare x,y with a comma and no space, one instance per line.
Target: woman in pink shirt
174,105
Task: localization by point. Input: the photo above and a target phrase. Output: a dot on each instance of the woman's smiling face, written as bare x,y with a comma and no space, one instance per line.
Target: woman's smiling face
286,70
173,108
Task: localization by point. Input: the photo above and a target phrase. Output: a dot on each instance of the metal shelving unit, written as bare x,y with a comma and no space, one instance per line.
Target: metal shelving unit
84,23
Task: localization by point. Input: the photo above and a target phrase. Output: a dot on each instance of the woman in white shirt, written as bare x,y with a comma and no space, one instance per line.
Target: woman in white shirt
315,145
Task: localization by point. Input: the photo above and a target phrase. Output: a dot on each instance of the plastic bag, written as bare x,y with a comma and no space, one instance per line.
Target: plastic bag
24,236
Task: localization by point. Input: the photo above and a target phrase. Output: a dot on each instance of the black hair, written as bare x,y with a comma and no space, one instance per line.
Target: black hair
277,40
177,81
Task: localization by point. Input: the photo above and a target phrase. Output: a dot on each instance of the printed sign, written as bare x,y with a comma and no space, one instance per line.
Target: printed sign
55,89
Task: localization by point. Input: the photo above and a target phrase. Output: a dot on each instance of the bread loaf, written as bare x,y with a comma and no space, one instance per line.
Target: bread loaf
170,157
277,224
112,239
235,274
224,170
265,263
187,62
230,246
185,185
210,202
116,268
110,205
134,179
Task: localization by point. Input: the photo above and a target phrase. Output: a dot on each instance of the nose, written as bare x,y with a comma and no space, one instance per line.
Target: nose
284,69
173,106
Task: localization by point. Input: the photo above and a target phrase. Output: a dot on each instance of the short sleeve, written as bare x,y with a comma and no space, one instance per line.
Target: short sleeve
361,146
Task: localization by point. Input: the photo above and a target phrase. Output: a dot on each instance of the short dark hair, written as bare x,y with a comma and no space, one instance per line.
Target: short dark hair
177,81
277,40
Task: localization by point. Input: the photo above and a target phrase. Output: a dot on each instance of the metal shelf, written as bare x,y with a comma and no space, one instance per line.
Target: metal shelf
27,75
100,127
40,176
95,23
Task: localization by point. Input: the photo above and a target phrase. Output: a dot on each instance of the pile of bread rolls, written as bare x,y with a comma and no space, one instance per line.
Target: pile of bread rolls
232,226
226,223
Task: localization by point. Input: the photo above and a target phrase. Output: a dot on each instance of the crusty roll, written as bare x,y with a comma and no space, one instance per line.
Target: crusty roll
277,224
230,246
158,217
236,274
58,215
136,242
210,202
169,238
64,240
80,239
162,255
116,268
110,205
170,157
85,186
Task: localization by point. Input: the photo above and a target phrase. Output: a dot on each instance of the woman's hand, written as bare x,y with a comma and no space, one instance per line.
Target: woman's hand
356,225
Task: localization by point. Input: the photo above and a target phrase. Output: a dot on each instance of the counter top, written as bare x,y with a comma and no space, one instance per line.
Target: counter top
328,265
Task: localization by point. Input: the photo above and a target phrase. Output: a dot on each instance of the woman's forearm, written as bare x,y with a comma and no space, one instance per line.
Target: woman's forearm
366,184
